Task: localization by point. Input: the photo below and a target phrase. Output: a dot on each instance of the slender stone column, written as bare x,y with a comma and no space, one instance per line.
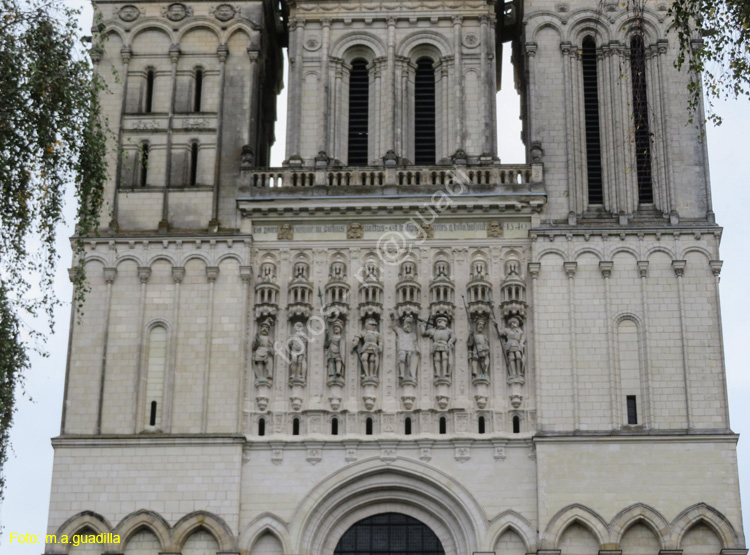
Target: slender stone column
144,273
459,81
252,130
126,53
534,269
570,270
390,130
445,85
109,277
212,272
178,274
679,271
222,52
567,53
531,48
648,409
174,55
246,375
484,100
716,270
605,267
325,79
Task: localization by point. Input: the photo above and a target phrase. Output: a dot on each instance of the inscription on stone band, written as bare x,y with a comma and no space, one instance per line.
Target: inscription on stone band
442,230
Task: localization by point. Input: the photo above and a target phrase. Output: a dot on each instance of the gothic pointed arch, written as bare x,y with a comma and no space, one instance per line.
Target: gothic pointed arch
265,523
210,522
75,524
511,520
571,514
150,520
715,520
636,513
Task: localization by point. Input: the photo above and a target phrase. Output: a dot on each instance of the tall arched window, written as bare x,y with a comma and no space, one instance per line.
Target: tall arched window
193,164
424,113
640,120
359,101
591,112
198,94
156,370
143,170
149,98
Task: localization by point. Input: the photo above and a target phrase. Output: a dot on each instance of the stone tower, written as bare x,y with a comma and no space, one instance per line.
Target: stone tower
394,343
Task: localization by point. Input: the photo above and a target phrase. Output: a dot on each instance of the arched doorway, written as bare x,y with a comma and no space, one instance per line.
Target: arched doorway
389,534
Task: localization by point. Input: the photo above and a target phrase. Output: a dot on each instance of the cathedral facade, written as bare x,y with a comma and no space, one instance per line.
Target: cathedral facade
394,343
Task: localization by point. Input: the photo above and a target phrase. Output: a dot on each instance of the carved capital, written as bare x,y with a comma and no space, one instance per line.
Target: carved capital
246,273
605,267
174,53
716,266
643,268
253,55
531,48
679,267
212,272
325,22
144,272
125,54
566,48
534,269
222,52
457,19
570,268
109,274
178,274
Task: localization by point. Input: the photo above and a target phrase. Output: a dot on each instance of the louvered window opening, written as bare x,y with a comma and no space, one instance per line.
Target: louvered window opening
424,113
389,534
591,111
359,100
640,120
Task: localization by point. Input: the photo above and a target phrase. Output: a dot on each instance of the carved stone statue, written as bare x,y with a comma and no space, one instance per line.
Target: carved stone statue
297,346
334,348
443,342
285,233
355,230
263,352
514,346
407,347
368,347
479,350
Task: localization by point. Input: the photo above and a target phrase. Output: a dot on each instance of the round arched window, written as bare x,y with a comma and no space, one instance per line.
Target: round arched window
389,534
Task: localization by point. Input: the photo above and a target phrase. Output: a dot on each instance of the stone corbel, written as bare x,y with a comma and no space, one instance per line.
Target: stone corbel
605,267
570,269
144,272
643,268
679,267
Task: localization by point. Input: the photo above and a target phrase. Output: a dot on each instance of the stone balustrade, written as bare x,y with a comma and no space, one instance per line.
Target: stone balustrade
376,176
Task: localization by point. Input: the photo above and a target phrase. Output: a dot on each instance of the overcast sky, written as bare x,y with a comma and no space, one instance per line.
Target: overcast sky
29,469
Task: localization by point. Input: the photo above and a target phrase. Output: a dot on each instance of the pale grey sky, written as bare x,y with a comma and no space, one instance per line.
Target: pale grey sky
29,469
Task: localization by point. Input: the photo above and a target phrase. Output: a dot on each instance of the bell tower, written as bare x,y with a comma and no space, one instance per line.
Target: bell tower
394,342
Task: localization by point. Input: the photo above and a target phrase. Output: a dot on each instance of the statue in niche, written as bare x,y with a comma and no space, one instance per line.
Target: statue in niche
514,347
407,347
479,350
443,342
368,347
297,346
334,347
263,352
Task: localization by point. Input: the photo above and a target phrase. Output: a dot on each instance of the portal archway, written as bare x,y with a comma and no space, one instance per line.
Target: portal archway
389,534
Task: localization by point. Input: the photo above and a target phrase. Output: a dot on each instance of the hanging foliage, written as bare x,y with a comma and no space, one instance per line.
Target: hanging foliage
51,140
714,39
